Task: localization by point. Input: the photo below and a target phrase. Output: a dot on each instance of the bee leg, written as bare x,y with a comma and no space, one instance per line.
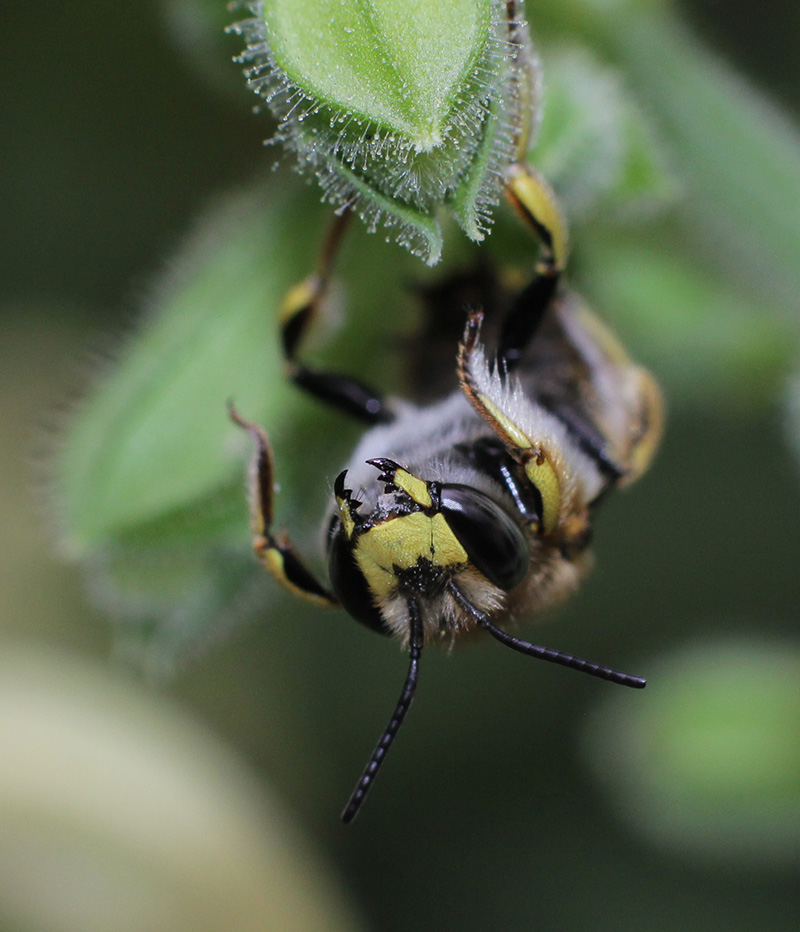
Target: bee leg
299,309
648,426
589,438
530,453
536,204
303,301
276,554
491,457
343,392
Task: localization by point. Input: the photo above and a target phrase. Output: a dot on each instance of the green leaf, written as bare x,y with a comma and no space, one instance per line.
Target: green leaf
684,320
735,155
390,102
710,764
419,231
398,64
151,477
154,437
470,202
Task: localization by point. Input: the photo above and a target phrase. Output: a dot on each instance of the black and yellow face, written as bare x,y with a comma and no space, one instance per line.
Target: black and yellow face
421,537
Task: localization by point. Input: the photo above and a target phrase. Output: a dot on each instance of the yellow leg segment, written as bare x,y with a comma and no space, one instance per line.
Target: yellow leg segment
276,554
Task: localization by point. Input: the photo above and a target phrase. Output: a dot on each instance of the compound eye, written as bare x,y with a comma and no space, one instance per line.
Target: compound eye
494,542
348,582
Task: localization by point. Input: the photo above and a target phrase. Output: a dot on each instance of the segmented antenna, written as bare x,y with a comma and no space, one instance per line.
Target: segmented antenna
545,653
403,704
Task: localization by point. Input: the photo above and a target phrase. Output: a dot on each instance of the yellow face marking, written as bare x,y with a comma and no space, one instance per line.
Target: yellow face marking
401,542
446,547
542,474
415,488
345,517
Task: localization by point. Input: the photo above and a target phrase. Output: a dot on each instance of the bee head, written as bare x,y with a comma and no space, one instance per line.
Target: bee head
412,541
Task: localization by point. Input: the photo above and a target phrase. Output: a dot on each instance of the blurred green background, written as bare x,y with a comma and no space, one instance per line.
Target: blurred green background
518,796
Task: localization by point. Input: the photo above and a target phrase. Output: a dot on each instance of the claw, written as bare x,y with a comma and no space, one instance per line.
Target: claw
347,505
398,479
276,554
388,470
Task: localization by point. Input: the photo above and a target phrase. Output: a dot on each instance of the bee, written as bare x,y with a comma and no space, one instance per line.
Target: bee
473,510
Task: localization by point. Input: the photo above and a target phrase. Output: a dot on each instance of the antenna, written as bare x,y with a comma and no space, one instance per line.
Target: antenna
403,703
545,653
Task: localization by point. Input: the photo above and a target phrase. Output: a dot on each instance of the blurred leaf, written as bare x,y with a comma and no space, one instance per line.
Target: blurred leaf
595,145
711,762
739,157
155,436
198,29
792,415
151,473
686,320
736,156
119,812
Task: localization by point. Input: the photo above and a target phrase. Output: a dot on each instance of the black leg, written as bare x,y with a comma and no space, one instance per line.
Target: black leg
589,438
525,316
344,393
491,456
300,307
536,205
